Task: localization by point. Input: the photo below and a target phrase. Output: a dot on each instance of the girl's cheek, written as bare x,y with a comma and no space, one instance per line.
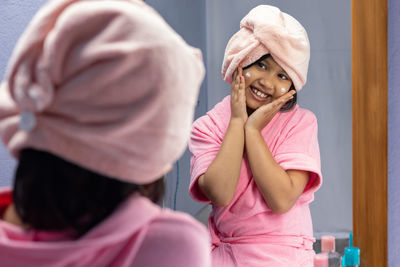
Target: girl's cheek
247,78
284,88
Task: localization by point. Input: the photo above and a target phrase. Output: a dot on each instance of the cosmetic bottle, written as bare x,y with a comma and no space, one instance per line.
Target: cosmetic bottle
321,260
351,256
328,256
328,247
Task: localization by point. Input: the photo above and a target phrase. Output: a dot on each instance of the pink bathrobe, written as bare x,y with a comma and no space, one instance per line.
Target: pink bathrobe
138,233
246,232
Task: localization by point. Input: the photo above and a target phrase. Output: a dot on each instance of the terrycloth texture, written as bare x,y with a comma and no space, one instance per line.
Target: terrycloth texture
139,233
267,30
246,232
111,86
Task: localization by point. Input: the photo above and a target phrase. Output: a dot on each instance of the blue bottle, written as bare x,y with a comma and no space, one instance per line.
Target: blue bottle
351,257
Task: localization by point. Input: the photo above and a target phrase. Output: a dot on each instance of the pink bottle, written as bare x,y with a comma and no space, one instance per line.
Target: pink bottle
328,256
321,260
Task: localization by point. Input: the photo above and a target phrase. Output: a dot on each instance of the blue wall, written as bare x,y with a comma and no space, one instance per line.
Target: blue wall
394,133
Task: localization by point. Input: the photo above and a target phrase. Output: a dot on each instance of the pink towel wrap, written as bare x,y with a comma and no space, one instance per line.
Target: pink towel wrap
267,30
106,84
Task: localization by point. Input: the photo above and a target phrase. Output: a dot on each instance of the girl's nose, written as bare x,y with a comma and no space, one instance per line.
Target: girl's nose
266,82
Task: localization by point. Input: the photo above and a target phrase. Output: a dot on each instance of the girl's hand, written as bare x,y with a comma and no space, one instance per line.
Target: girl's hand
264,114
238,97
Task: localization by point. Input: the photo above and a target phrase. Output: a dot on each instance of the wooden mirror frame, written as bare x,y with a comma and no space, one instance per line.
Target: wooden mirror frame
370,130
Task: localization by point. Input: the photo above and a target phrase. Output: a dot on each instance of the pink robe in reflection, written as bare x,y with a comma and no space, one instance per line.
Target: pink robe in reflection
246,232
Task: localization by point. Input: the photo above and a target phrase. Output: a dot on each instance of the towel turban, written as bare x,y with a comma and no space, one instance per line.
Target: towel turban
267,30
105,84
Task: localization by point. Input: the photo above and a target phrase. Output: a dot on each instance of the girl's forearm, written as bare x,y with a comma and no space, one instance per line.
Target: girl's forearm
279,188
220,180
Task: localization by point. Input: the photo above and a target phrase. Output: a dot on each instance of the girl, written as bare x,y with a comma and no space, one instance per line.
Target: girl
95,116
255,155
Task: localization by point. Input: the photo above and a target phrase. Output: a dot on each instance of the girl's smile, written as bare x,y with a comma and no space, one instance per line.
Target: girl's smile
265,81
259,94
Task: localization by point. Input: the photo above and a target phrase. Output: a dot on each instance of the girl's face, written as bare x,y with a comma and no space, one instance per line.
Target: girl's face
265,81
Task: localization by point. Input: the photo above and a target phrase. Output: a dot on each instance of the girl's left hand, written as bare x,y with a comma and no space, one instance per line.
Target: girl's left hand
264,114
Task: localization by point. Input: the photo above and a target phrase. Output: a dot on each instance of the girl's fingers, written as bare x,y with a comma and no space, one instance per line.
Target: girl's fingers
278,103
234,75
237,78
237,87
234,91
241,84
237,75
286,97
234,81
241,78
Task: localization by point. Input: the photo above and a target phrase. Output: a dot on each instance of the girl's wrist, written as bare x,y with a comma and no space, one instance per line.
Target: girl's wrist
251,130
237,121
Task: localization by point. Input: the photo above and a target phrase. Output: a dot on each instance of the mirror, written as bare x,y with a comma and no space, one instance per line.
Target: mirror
327,93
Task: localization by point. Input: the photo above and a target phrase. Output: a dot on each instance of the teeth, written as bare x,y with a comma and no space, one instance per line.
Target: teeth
259,93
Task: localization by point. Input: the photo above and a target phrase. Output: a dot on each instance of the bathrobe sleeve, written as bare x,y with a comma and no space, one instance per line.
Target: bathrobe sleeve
205,141
299,149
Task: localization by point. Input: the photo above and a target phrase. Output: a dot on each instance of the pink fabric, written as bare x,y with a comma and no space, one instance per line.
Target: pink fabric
139,233
106,84
246,232
267,30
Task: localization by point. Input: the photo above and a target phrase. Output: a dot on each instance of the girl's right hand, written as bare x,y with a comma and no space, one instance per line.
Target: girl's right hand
238,96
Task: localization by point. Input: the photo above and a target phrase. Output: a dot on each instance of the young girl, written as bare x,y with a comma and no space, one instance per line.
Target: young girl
255,155
97,105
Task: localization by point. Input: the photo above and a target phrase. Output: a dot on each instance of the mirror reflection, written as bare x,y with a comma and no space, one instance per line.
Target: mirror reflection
326,92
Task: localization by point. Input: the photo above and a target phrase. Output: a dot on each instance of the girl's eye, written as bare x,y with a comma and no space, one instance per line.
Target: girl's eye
283,76
261,65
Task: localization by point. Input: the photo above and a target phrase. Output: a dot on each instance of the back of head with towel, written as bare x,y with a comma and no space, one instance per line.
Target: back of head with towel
96,106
